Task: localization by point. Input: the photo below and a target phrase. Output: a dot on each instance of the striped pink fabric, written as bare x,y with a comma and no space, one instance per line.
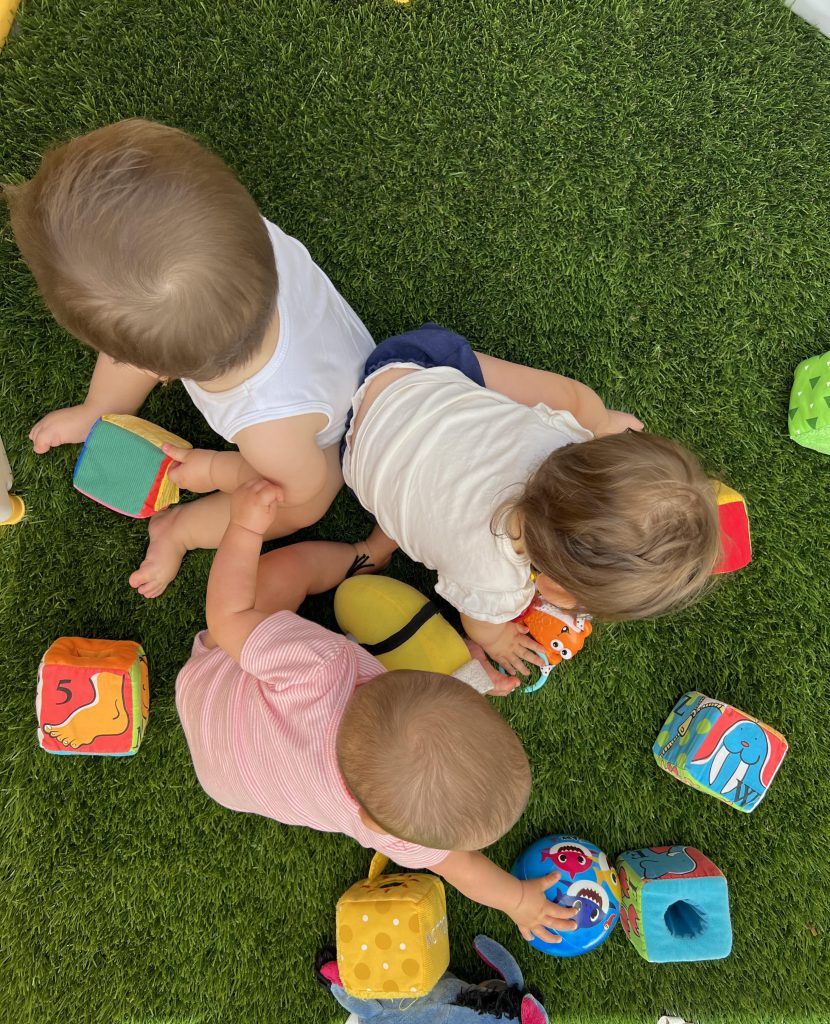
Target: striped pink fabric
262,732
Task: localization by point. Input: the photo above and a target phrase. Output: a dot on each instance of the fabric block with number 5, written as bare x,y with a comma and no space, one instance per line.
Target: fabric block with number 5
93,697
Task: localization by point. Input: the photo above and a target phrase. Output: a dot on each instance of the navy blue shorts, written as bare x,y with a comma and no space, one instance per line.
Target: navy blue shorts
428,346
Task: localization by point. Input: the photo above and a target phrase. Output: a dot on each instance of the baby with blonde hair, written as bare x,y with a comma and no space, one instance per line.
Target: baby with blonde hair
289,720
147,248
507,479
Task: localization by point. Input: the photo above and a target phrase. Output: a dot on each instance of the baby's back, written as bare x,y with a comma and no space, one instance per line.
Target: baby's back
435,457
316,365
262,731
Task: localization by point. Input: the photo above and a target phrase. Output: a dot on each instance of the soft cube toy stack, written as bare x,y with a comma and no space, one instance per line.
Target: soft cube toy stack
720,750
392,940
809,415
93,697
734,530
123,467
675,904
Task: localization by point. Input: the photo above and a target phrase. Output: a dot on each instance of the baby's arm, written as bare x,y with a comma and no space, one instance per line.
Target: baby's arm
232,614
524,902
243,588
114,388
530,387
282,451
507,643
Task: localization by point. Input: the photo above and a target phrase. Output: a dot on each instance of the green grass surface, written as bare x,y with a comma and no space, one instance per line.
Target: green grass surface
632,193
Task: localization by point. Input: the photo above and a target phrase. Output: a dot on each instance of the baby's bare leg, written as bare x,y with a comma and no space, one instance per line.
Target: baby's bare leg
288,575
376,551
202,524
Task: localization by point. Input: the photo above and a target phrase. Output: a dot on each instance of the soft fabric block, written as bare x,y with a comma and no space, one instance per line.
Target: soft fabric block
392,939
93,697
675,904
720,750
122,466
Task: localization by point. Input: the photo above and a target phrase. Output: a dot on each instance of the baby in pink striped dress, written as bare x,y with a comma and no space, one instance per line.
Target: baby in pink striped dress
289,720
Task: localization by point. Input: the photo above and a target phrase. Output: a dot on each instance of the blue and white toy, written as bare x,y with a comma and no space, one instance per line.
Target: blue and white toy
588,882
675,904
451,1001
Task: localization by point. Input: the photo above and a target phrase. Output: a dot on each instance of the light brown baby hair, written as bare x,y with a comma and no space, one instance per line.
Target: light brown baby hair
145,246
431,761
627,523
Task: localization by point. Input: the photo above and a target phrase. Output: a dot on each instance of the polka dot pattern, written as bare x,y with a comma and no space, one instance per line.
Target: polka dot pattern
392,936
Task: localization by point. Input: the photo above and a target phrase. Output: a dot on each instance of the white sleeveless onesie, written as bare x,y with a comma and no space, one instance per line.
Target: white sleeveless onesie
317,364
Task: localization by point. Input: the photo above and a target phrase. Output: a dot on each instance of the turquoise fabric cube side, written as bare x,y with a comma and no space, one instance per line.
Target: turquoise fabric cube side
117,468
675,904
687,919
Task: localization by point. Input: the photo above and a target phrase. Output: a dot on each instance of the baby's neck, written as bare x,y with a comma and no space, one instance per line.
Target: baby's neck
242,373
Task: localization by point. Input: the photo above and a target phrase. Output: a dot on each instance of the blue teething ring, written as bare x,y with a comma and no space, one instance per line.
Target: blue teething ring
540,682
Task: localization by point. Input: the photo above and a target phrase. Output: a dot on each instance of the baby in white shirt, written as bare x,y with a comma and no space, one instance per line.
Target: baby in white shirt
147,248
507,479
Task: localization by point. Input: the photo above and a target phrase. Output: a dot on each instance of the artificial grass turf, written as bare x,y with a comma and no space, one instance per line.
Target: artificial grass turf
631,193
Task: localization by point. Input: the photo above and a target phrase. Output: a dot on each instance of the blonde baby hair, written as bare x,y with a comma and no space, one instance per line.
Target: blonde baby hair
145,246
431,761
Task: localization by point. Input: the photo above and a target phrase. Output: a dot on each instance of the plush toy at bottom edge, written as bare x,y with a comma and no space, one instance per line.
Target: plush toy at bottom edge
451,1001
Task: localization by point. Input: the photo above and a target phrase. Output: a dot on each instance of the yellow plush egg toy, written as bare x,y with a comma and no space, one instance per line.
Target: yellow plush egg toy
398,625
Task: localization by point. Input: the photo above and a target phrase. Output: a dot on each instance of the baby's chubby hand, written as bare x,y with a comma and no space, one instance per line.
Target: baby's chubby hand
535,914
502,684
193,469
254,505
513,647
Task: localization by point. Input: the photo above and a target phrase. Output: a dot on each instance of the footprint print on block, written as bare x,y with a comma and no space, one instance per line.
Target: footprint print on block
392,938
93,697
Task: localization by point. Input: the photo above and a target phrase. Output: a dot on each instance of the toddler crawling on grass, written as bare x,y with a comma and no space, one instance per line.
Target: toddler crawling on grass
506,479
289,720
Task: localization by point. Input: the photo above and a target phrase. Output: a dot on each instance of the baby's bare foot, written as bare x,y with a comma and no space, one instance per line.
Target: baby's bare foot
373,554
164,556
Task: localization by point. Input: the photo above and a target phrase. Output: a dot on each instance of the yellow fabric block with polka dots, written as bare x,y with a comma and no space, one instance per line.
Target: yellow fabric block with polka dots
392,940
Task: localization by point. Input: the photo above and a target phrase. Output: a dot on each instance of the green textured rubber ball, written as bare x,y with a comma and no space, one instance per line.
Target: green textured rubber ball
809,414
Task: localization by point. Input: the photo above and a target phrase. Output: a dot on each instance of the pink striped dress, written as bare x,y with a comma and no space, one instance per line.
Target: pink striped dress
262,731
